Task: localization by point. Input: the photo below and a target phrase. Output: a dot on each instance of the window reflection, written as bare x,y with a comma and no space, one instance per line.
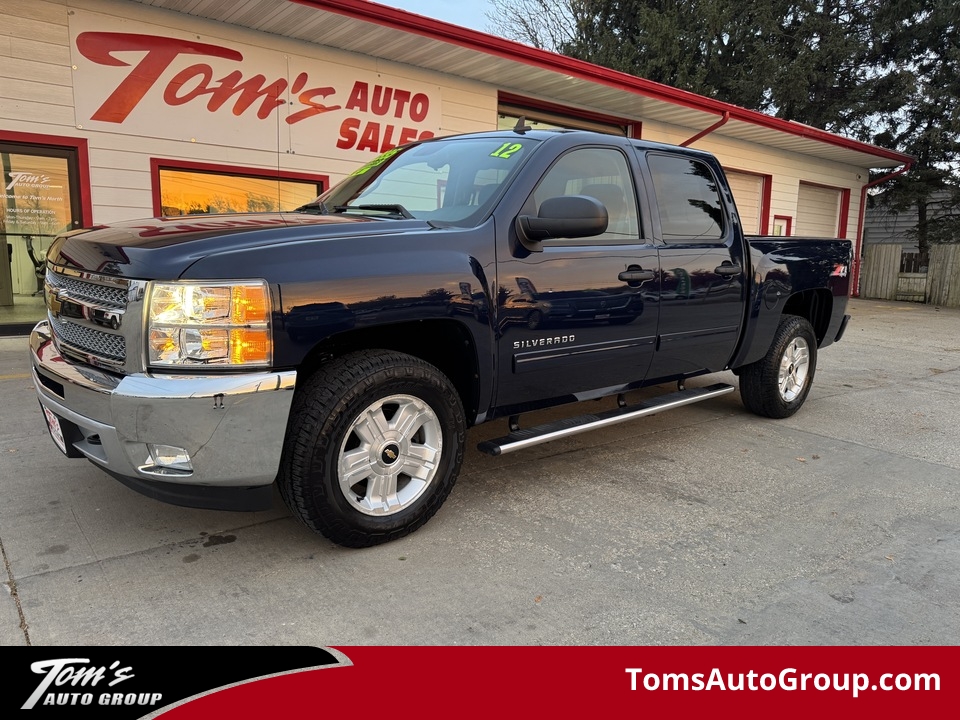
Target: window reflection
187,192
688,199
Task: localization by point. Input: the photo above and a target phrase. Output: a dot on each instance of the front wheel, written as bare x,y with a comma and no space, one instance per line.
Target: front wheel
777,385
373,448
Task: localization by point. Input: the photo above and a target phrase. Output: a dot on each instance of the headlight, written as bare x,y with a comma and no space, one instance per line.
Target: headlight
209,323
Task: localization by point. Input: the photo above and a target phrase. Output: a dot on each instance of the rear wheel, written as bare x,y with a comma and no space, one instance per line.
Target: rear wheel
373,448
777,385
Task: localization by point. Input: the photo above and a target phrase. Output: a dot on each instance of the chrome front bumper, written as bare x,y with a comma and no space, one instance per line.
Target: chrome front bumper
232,426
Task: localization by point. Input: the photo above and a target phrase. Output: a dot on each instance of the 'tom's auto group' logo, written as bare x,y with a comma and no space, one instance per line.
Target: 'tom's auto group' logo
73,681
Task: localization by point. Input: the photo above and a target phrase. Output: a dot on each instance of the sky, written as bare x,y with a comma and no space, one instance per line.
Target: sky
466,13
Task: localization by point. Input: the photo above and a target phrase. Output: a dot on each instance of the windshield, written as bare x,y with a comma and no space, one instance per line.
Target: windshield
447,182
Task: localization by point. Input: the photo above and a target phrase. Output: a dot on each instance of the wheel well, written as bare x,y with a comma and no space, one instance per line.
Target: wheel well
445,344
814,305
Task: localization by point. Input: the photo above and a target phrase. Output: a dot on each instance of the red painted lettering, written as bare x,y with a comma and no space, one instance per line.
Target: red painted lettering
370,139
171,94
250,90
358,97
419,107
313,108
386,144
381,100
383,97
402,97
160,52
299,83
348,133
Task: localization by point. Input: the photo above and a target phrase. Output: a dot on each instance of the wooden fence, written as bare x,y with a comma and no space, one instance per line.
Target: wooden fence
943,278
940,285
881,266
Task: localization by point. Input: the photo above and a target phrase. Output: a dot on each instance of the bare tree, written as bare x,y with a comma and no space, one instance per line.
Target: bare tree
545,24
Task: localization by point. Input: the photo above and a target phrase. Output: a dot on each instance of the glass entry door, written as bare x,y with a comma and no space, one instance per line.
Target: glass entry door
40,199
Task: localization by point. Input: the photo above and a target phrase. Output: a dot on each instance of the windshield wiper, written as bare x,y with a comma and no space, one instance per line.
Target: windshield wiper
314,206
391,208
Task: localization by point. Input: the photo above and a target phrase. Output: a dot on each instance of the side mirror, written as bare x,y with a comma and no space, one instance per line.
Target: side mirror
570,216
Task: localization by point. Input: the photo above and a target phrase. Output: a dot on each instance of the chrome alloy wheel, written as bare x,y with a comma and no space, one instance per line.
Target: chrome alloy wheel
389,455
794,366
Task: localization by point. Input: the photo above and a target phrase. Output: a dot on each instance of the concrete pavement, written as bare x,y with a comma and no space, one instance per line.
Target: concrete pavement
704,525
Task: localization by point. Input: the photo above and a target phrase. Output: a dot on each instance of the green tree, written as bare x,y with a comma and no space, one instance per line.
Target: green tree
918,43
717,48
823,75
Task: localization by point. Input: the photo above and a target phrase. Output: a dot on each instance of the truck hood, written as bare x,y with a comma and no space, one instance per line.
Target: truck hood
163,248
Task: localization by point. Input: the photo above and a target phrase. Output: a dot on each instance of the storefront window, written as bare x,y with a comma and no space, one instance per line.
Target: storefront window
195,192
38,203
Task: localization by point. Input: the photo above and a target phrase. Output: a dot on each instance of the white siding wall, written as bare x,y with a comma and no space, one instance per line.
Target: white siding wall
36,93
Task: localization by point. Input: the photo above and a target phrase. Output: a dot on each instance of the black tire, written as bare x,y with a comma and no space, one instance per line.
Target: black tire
341,424
767,392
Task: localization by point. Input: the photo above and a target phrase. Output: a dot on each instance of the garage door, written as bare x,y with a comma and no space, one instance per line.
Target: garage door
818,211
748,194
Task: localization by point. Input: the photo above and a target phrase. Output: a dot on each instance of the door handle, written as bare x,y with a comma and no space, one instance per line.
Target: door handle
636,275
728,269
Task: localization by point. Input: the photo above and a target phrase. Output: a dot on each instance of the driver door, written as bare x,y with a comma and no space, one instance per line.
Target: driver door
574,319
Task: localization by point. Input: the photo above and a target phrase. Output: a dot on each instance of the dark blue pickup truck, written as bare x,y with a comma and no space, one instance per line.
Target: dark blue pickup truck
341,350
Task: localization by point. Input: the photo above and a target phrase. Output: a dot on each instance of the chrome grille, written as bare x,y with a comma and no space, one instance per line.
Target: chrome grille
82,290
94,318
89,341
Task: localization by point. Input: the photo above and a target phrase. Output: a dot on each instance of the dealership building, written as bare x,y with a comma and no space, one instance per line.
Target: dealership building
113,110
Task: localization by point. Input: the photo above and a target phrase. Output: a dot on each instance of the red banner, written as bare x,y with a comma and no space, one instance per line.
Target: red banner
468,682
480,682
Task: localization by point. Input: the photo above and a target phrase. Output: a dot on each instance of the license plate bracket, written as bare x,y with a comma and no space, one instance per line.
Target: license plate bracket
55,429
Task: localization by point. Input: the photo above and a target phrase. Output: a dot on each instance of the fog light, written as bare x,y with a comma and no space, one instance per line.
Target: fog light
170,457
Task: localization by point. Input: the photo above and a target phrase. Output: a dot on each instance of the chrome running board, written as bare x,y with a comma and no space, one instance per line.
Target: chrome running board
520,439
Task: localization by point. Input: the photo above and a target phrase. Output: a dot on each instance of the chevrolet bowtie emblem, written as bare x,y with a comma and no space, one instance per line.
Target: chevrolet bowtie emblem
53,302
390,454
